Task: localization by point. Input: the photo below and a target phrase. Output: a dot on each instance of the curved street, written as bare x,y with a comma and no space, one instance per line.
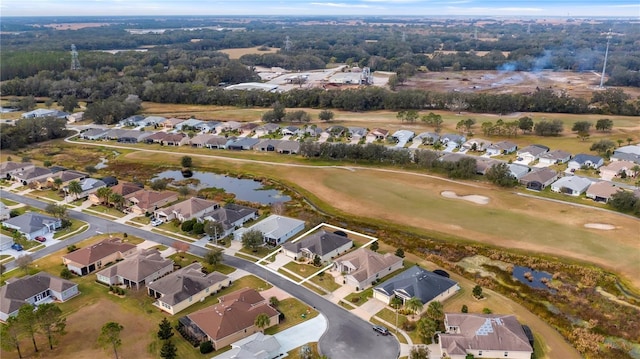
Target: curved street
346,336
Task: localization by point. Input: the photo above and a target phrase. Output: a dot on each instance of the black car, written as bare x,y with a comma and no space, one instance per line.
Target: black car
380,329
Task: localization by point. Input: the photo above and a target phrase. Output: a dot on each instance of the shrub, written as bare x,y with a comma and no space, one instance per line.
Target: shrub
486,311
14,213
206,347
72,248
464,309
66,273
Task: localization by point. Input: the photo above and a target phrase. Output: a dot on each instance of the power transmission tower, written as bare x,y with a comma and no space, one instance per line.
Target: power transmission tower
287,44
75,63
606,54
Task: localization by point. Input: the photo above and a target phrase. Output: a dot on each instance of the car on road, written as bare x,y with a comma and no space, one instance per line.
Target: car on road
17,246
41,239
380,329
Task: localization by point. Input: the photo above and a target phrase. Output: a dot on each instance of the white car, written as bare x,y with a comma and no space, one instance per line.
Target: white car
156,222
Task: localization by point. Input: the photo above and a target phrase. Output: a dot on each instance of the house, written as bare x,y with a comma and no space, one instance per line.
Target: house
228,126
217,142
476,144
41,112
290,131
616,168
323,244
356,132
627,153
171,123
133,136
191,123
482,163
484,336
501,148
175,139
137,269
402,137
200,140
114,134
207,126
363,267
110,181
242,144
231,216
135,120
5,242
32,224
88,186
266,145
9,169
191,208
531,153
256,346
156,137
416,282
288,147
583,160
5,212
266,129
336,130
32,174
518,171
75,117
602,191
275,229
313,131
94,134
378,134
89,259
248,127
34,289
126,189
65,177
538,180
426,138
152,121
232,319
144,201
456,139
571,185
554,157
189,285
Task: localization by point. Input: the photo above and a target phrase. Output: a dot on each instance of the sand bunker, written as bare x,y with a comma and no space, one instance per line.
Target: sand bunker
602,226
471,198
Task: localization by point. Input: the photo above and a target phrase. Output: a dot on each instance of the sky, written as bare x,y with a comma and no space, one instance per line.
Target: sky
537,8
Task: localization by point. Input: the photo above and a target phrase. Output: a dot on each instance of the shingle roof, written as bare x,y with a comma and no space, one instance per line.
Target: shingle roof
416,282
230,213
542,175
575,183
31,221
184,283
93,253
583,158
604,189
145,199
534,150
138,266
276,226
14,293
125,189
555,155
189,207
367,263
319,243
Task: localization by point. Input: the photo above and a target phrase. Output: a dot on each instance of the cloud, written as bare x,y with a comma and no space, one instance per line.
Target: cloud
342,5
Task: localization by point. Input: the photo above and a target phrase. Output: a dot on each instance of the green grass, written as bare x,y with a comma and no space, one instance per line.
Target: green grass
142,220
289,275
293,310
259,252
111,211
8,202
399,336
303,270
75,225
325,281
362,297
314,288
46,194
245,257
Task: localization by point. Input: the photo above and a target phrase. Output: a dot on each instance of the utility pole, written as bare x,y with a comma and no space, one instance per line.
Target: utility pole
606,54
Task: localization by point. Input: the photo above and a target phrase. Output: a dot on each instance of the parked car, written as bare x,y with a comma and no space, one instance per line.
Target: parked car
17,246
380,329
41,239
156,222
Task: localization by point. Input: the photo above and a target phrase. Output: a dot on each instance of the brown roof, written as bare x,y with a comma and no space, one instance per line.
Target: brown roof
189,207
138,266
235,312
483,332
603,189
367,263
542,175
92,254
172,121
145,199
184,283
125,189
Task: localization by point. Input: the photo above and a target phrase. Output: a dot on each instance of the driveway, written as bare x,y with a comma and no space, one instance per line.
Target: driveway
301,334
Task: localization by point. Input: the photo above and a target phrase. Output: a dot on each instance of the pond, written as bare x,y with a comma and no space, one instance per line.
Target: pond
536,277
244,189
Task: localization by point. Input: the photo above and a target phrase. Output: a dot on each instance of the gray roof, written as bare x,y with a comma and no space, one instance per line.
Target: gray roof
416,282
453,137
15,293
94,132
583,158
632,149
542,175
518,171
138,266
575,183
320,243
91,183
256,346
184,283
264,144
555,155
631,157
276,226
244,142
31,221
230,213
33,172
288,146
535,150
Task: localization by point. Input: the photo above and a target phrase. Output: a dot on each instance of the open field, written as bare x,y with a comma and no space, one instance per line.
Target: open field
237,53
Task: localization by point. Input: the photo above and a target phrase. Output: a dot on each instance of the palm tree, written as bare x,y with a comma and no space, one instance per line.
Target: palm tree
74,188
435,311
103,193
414,305
636,170
629,139
262,321
57,182
117,200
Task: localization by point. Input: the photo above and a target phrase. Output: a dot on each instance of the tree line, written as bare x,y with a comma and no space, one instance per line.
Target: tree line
30,321
31,130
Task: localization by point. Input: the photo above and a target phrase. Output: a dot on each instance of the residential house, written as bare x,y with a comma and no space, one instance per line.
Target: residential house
554,157
266,129
127,189
266,145
137,269
9,169
152,121
378,134
248,127
149,201
426,138
242,144
290,131
189,285
482,163
175,139
416,282
218,142
531,153
402,137
207,126
313,131
288,147
456,139
484,336
200,140
171,123
231,216
5,242
232,319
33,224
362,267
94,134
501,148
518,171
34,289
256,346
88,186
5,212
275,229
41,112
114,134
602,191
135,120
583,160
133,136
476,144
323,244
89,259
32,174
110,181
228,126
616,168
336,131
191,123
571,185
356,132
191,208
627,153
539,179
156,137
75,117
65,176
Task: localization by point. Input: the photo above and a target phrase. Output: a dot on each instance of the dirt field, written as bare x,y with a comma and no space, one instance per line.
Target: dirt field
237,53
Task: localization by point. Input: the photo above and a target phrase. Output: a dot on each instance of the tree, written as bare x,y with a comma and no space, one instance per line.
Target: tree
464,309
74,188
262,321
68,103
24,261
400,252
90,169
477,291
500,174
103,193
419,352
317,261
159,184
525,124
186,161
433,120
165,331
57,182
604,125
603,147
583,136
620,141
50,320
168,350
110,336
624,201
374,246
276,114
252,239
213,257
274,302
117,200
326,115
581,126
629,139
183,191
435,311
206,347
548,128
28,322
10,335
414,305
56,210
66,273
426,328
214,229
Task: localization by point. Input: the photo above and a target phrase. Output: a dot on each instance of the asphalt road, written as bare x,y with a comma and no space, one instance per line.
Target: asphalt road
347,336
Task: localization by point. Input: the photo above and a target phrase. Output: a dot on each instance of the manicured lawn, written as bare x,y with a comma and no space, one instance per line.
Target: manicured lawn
326,281
111,211
8,202
245,257
293,310
143,220
295,353
359,298
184,259
75,225
259,252
303,270
46,194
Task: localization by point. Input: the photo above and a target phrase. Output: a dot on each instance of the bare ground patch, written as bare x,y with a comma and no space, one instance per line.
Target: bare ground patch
474,198
601,226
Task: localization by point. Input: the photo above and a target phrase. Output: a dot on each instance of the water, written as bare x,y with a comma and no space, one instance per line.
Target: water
102,164
518,273
244,189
